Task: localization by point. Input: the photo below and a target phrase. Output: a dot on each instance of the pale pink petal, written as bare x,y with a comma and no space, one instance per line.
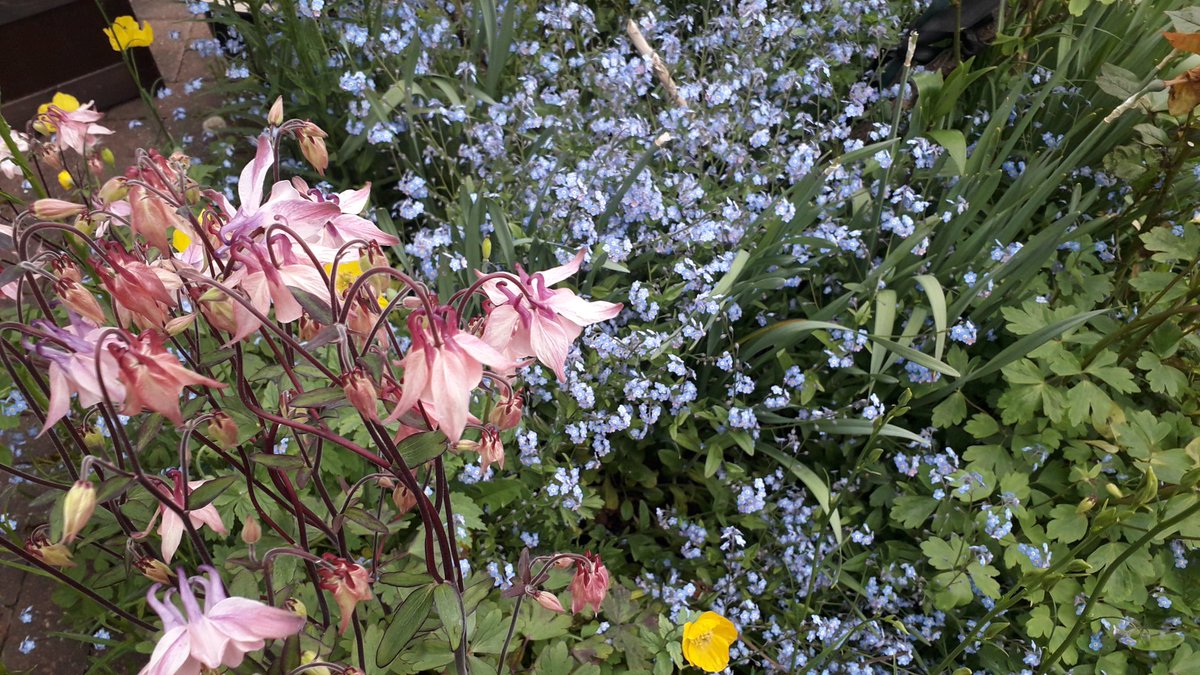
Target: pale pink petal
551,340
455,376
566,304
208,643
416,378
250,183
562,272
480,350
172,655
354,201
247,620
208,515
60,396
501,323
171,531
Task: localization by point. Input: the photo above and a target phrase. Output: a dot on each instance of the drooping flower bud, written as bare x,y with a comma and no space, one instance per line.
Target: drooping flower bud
507,413
307,657
94,441
65,268
217,309
251,531
490,449
590,585
78,507
155,570
56,555
404,499
79,300
275,114
350,583
223,429
312,146
361,393
549,601
179,324
295,606
114,189
56,209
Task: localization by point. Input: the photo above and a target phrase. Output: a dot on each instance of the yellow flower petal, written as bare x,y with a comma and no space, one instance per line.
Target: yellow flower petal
706,641
125,33
180,240
64,179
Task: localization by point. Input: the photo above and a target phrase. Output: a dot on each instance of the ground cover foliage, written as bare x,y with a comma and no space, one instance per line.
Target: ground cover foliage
902,382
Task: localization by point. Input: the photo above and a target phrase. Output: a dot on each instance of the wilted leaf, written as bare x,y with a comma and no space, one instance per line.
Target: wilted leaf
1185,92
1188,42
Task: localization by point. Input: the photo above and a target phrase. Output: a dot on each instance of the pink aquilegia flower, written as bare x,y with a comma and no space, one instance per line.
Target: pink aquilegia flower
266,283
531,319
153,377
171,528
590,585
219,634
76,129
72,355
350,584
442,368
324,222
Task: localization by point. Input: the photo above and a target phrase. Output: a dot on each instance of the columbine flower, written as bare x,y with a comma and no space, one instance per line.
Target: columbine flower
153,377
171,528
267,284
77,129
442,369
350,583
72,356
706,642
590,585
220,634
78,507
531,319
125,33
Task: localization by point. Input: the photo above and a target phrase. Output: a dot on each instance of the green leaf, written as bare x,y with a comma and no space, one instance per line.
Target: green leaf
1086,398
319,398
885,319
911,511
1162,378
951,411
1067,526
937,305
945,554
982,425
955,144
285,462
210,490
984,577
420,448
369,522
450,610
406,620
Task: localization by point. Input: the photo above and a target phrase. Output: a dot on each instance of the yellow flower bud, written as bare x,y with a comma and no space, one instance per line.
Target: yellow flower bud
78,507
65,180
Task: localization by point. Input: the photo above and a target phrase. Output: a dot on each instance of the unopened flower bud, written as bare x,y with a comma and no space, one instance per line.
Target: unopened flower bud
309,327
251,531
1086,504
490,449
155,570
78,507
65,180
307,657
114,189
217,309
361,393
1114,490
507,413
38,544
108,157
223,429
410,302
65,268
275,115
312,146
296,607
386,483
486,248
56,209
179,324
404,499
79,300
549,601
94,441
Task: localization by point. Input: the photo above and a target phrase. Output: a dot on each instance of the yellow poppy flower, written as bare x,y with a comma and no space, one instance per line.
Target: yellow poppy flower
64,102
706,642
347,272
125,33
65,180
